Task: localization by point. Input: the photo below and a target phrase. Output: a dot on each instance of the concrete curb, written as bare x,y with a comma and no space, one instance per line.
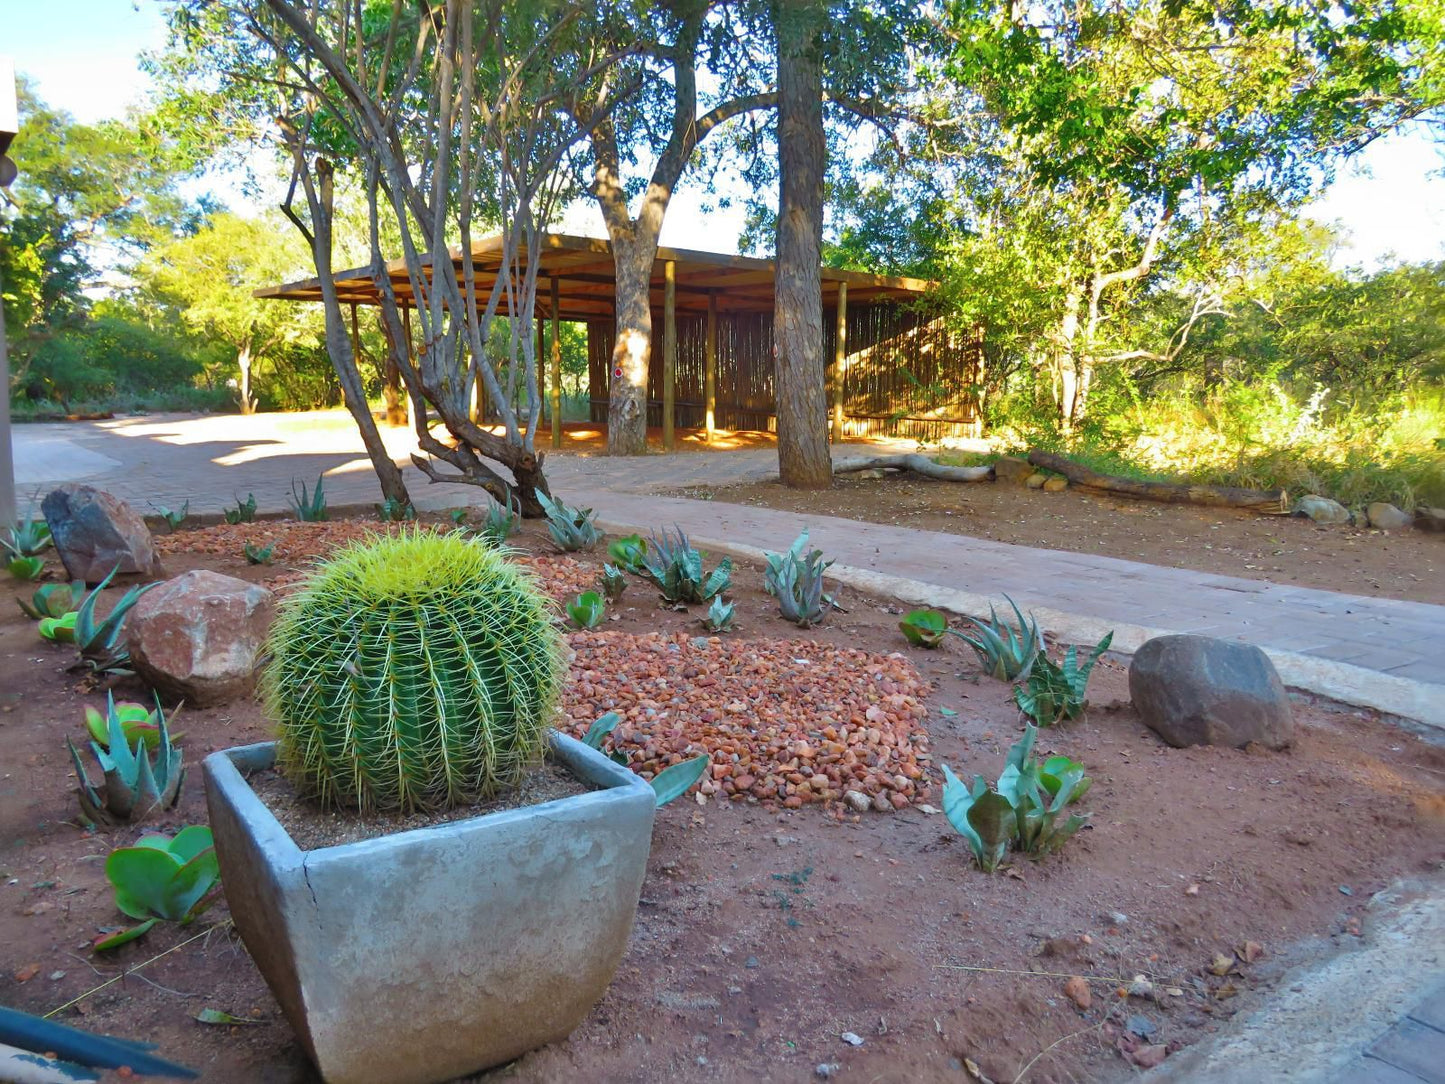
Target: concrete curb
1339,681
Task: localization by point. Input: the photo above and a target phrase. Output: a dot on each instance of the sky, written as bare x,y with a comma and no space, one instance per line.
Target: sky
82,56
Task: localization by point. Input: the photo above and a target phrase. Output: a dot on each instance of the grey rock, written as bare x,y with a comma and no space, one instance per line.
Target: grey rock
872,474
1386,517
1430,519
1322,510
1197,690
1013,470
1036,481
857,801
95,532
199,636
1141,1026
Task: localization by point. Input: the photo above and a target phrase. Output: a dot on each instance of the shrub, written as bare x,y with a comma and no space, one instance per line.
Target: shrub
414,671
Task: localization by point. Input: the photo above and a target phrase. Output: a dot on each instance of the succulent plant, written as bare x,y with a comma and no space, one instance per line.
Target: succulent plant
614,582
795,579
412,671
163,879
501,523
587,610
173,517
924,628
310,507
392,510
571,528
59,630
672,782
258,555
53,600
677,569
137,782
1005,655
136,722
244,512
1055,691
629,552
719,616
26,568
28,538
100,644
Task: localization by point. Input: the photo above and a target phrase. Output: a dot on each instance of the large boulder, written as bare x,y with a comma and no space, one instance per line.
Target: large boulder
1322,510
1196,690
1012,470
200,636
95,533
1386,517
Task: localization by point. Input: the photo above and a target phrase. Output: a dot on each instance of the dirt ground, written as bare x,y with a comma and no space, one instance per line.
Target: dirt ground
1406,564
766,933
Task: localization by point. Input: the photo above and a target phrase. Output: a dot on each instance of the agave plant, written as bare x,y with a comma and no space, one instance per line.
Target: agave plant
719,616
99,642
1024,809
571,528
614,582
1055,691
670,783
924,628
136,722
1005,655
676,568
244,512
392,510
137,782
163,879
795,578
53,600
28,538
26,568
173,517
629,553
587,610
310,507
502,522
258,555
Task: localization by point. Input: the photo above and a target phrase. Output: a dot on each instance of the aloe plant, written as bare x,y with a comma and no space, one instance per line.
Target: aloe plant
587,610
614,582
1057,691
502,522
258,555
59,630
795,579
571,528
136,782
53,600
676,568
309,507
100,642
392,510
162,879
244,512
719,616
1005,655
1024,809
173,517
670,783
29,537
924,628
629,553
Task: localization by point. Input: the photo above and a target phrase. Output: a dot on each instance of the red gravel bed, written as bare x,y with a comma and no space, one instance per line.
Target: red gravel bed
785,721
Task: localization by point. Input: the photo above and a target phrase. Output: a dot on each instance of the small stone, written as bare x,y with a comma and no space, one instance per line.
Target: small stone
26,973
1077,991
1036,481
1147,1057
851,1039
1056,485
1141,1026
1386,517
882,804
857,801
1192,890
1346,890
825,1070
872,474
1322,510
1118,918
56,976
752,962
1012,469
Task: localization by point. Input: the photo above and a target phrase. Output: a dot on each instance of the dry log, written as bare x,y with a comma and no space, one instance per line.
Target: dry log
919,464
1271,501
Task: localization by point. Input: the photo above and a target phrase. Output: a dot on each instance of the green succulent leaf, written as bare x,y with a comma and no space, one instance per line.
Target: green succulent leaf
675,781
924,628
600,728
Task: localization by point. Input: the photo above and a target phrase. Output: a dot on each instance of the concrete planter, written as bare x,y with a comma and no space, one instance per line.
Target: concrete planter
425,955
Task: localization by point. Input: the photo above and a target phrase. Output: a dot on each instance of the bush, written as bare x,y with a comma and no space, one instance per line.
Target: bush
414,671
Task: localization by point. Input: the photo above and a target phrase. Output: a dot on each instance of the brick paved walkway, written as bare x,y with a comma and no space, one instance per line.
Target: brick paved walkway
1380,652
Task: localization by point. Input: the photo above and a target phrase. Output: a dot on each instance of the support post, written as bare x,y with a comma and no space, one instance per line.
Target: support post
669,354
9,129
556,366
840,362
391,385
710,366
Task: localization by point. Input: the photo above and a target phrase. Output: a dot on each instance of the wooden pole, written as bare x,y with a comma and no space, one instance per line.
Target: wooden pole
710,366
556,366
541,353
669,353
840,362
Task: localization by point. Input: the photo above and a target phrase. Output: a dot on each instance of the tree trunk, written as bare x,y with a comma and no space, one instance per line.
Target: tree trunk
243,362
1066,360
627,399
800,368
1272,501
391,394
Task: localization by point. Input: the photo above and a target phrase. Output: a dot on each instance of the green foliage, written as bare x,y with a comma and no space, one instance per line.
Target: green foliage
137,722
1023,809
174,518
258,555
614,582
59,630
138,782
26,568
795,578
28,538
1004,653
676,569
501,523
244,512
672,782
571,528
53,600
587,610
309,507
458,517
629,552
392,510
415,671
100,643
924,628
161,879
719,616
1053,691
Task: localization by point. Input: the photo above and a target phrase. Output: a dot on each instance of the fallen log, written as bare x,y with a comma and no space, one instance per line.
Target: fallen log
919,464
1270,501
